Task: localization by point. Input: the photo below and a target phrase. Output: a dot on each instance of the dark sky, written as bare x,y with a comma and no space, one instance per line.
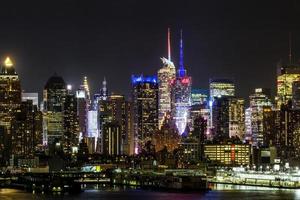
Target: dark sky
223,38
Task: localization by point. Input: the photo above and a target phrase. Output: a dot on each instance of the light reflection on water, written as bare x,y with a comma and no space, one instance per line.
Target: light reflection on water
230,192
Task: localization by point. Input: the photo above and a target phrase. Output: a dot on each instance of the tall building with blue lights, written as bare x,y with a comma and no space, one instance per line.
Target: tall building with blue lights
181,96
145,109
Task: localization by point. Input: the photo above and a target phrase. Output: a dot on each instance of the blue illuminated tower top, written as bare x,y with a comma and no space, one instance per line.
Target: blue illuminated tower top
143,79
181,71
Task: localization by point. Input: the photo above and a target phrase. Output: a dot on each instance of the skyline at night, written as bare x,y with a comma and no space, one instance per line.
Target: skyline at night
131,99
97,39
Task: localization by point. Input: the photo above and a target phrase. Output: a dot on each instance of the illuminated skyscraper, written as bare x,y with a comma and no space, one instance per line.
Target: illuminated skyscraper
117,110
145,108
86,88
228,118
165,75
71,123
54,98
296,95
83,104
181,102
10,92
287,75
200,97
24,130
221,87
181,95
92,130
112,138
237,118
31,96
200,108
10,100
259,103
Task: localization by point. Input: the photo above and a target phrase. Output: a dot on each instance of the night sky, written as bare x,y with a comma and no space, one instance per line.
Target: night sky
243,40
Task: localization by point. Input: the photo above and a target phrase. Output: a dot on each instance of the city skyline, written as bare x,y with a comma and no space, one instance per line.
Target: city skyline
217,44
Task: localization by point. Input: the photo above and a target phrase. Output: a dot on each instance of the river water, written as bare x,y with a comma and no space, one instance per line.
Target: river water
218,192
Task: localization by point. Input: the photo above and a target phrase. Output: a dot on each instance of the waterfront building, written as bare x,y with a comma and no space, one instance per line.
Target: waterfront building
145,109
228,154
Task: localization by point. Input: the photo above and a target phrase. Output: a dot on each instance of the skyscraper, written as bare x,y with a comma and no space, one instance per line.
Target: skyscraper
54,98
71,123
181,102
165,75
221,87
24,130
145,108
228,118
83,103
259,103
237,118
31,96
181,95
10,92
10,101
296,95
286,76
200,97
117,109
111,139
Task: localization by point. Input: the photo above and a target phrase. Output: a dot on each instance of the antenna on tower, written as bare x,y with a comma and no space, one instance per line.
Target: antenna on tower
169,45
290,47
181,52
181,71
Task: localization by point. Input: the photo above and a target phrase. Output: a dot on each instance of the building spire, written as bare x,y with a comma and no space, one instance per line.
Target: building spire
8,62
181,52
104,89
169,45
290,47
86,86
181,71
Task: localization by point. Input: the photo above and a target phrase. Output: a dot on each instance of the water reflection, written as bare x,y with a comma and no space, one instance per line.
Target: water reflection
105,192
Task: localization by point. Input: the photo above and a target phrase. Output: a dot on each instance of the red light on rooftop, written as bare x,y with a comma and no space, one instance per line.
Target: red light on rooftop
185,81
